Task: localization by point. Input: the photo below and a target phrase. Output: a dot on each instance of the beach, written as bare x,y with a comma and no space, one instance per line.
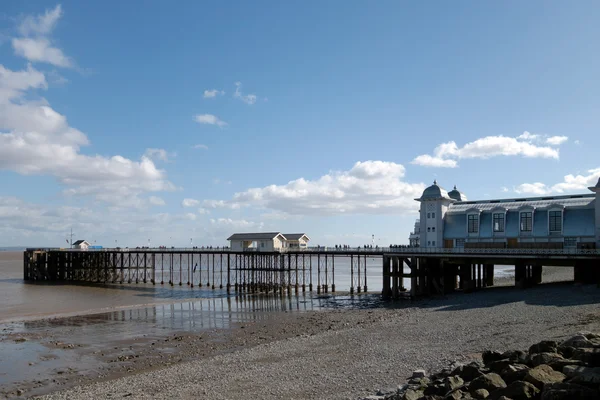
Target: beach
327,347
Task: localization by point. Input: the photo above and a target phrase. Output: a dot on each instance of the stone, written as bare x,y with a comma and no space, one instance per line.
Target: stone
489,382
490,356
499,366
454,395
411,394
568,391
517,390
436,389
558,365
386,391
576,341
591,357
543,375
545,346
420,373
468,372
566,351
481,394
516,356
514,372
544,358
579,374
453,382
374,398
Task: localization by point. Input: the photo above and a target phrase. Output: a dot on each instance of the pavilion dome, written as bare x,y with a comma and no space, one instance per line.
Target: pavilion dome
434,192
457,195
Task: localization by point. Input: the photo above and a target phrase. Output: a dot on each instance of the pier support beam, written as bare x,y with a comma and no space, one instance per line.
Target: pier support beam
489,274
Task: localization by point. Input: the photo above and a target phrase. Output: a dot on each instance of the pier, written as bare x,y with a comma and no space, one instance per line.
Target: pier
432,270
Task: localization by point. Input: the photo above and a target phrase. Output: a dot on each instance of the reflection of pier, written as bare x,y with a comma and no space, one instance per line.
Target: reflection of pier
432,270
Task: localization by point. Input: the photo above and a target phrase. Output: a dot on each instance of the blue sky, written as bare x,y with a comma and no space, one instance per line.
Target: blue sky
131,121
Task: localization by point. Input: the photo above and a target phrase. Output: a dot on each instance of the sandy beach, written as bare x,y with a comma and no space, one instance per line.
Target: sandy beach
297,348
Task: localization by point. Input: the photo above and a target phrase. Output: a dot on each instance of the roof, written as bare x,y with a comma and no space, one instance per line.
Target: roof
434,192
456,195
514,204
295,236
595,188
255,236
77,243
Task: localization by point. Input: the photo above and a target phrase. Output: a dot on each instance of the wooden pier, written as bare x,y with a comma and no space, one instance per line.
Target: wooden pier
432,270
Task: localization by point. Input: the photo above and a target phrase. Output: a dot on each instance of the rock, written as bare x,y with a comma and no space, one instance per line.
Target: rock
516,356
558,365
576,341
20,392
543,375
514,372
436,389
387,391
481,394
455,395
591,357
589,375
566,351
517,390
453,382
420,373
20,340
544,358
374,398
412,395
545,346
468,372
490,356
419,381
489,382
568,391
499,366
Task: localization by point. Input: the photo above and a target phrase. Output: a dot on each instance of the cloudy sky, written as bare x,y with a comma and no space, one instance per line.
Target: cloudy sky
132,121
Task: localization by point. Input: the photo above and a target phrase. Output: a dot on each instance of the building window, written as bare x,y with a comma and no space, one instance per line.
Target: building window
428,215
433,229
429,243
262,244
432,215
498,222
570,242
428,229
433,243
473,220
526,221
555,221
460,242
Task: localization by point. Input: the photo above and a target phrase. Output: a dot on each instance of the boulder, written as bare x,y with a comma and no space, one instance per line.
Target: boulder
516,356
481,394
544,358
543,375
455,395
568,391
578,374
374,398
558,365
490,356
517,390
468,372
591,357
387,391
577,341
489,382
411,394
514,372
453,382
499,366
420,373
435,389
545,346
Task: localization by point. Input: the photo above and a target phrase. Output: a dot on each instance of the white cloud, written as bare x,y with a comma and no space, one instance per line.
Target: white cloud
41,24
570,183
37,140
238,224
35,45
190,202
191,216
426,160
557,140
209,94
210,120
201,146
446,154
203,211
156,201
248,99
159,154
504,189
370,187
577,142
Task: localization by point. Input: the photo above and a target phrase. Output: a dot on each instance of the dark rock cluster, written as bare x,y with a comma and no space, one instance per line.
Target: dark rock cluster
548,371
